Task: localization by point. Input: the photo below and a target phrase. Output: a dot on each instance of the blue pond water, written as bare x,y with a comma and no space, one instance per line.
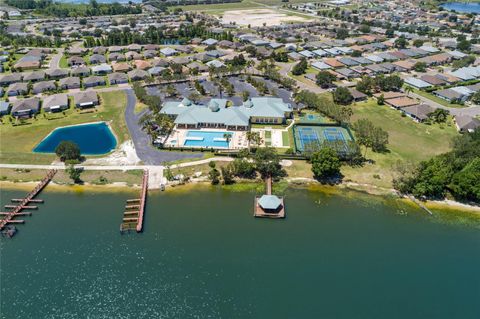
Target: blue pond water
93,139
462,7
206,139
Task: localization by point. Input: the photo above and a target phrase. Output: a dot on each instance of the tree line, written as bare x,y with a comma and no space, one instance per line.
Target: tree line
456,172
155,35
63,10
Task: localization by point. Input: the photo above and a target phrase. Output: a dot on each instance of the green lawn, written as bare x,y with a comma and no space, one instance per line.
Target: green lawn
63,62
408,141
17,142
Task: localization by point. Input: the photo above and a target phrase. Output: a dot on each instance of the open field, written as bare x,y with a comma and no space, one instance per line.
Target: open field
17,142
408,141
257,17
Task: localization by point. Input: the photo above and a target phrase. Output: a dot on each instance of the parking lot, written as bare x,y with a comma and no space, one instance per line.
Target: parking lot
186,89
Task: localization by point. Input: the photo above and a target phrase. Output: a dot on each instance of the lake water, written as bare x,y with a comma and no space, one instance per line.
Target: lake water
93,139
463,7
203,255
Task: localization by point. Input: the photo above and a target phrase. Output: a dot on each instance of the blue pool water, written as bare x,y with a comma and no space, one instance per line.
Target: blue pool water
206,139
462,7
93,139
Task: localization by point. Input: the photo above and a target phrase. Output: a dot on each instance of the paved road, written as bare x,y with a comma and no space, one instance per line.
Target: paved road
469,111
307,85
145,151
55,61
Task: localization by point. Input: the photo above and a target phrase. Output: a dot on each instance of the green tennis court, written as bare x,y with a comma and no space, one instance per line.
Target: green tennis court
316,136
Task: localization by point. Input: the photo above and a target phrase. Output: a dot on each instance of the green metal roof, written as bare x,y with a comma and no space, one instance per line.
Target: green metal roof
269,202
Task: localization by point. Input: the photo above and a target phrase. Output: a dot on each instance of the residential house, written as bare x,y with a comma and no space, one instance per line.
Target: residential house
25,107
4,108
55,102
117,78
465,123
44,86
8,79
85,99
101,69
97,59
16,89
93,81
34,76
69,83
137,74
56,74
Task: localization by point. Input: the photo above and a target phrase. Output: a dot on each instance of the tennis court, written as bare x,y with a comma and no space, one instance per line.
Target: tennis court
315,136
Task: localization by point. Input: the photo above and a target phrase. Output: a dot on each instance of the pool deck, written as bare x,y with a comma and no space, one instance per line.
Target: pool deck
178,137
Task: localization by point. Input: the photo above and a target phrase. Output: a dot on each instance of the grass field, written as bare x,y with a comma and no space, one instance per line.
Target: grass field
17,142
408,141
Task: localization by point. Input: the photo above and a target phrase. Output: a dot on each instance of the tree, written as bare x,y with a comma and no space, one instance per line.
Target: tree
245,95
227,175
300,67
325,163
417,43
253,138
324,79
243,168
381,100
342,33
420,67
74,173
466,183
68,150
214,174
267,163
464,45
366,85
370,136
476,98
439,115
401,42
342,96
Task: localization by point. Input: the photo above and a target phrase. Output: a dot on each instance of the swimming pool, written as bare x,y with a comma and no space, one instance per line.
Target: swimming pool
93,139
206,139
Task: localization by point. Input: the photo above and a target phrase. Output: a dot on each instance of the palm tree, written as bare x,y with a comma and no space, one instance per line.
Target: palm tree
408,89
227,137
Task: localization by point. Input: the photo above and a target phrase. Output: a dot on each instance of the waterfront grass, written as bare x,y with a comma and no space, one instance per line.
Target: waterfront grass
18,141
96,177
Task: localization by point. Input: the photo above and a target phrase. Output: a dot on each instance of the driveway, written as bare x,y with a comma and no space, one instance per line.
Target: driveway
145,151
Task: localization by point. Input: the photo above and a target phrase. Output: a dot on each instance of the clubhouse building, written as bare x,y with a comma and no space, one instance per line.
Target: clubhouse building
258,110
217,125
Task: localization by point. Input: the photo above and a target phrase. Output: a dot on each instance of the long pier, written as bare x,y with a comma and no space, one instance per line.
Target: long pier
135,209
16,210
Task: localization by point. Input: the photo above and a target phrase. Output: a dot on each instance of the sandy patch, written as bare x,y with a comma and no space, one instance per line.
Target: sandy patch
124,155
256,17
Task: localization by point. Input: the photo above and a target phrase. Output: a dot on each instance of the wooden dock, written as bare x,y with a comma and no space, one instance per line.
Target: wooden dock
17,210
135,209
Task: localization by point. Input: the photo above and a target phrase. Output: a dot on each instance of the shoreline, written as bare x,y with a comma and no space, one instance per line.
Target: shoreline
312,184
